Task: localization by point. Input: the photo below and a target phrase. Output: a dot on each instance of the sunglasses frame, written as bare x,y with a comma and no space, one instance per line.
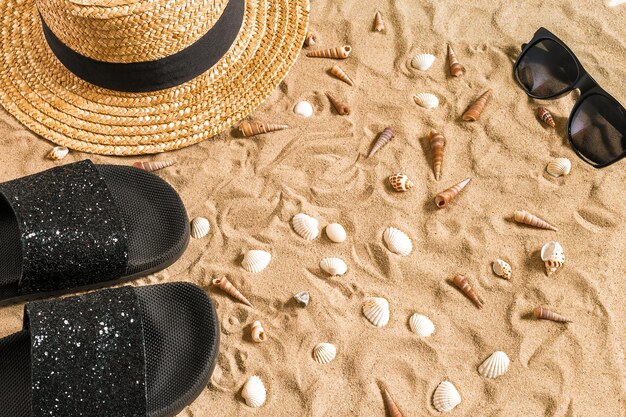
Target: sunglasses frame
584,82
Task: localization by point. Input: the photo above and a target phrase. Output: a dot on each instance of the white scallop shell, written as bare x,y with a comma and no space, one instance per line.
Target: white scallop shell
376,310
58,152
421,325
423,61
200,227
495,365
426,100
256,260
502,269
559,166
324,353
305,226
552,251
336,232
446,397
304,109
254,392
397,241
333,266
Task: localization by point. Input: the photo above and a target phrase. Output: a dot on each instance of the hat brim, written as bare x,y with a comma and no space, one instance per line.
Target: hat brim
54,103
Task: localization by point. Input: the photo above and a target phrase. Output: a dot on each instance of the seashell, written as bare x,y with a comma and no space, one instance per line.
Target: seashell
200,227
544,115
426,100
456,69
303,298
303,108
524,217
256,260
58,153
446,397
333,266
225,285
383,138
502,269
474,111
443,198
341,74
421,325
614,3
400,182
495,365
324,353
341,107
545,314
340,52
257,333
254,392
460,281
397,241
559,167
392,408
152,166
553,256
437,145
423,62
305,226
379,25
336,232
376,310
256,128
311,39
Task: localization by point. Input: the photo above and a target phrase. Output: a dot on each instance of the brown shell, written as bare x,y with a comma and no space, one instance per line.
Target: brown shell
341,107
456,69
391,406
544,115
256,128
474,111
384,138
437,145
225,285
341,74
460,281
545,314
152,166
401,183
443,198
379,25
339,52
257,333
524,217
310,40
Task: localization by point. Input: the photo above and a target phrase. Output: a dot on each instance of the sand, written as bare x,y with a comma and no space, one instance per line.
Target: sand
250,188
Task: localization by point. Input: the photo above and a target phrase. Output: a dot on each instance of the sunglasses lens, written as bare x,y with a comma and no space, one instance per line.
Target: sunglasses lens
547,69
598,129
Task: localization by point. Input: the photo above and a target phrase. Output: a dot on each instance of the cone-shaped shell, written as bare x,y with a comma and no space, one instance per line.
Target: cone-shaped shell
456,69
544,115
376,310
502,269
524,217
311,39
543,313
423,62
446,397
224,284
152,166
553,256
390,404
401,183
421,325
341,107
333,266
379,25
443,198
495,365
257,333
559,167
341,74
324,353
199,227
303,298
437,145
254,392
426,100
305,226
340,52
256,260
461,282
397,241
385,137
474,111
57,153
256,128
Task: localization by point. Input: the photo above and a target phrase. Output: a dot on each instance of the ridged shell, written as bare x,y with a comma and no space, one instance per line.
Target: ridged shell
474,111
336,232
423,62
58,152
303,298
305,226
324,353
342,75
303,108
400,182
397,241
446,397
333,266
200,227
502,269
553,256
421,325
495,365
559,167
256,260
376,310
254,392
152,166
426,100
545,116
379,25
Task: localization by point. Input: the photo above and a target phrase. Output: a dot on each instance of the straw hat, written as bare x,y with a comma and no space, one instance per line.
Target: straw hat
127,77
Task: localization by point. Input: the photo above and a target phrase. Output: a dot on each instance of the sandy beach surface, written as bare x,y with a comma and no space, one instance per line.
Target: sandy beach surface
249,189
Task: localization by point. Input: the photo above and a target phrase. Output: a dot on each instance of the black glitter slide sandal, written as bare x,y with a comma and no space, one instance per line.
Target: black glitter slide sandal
83,226
123,352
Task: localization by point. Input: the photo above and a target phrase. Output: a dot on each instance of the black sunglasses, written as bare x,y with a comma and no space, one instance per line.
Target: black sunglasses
546,68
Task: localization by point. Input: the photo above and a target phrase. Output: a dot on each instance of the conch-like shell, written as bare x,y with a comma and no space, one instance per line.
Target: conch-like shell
400,182
376,310
553,256
379,25
385,136
254,392
474,111
257,333
456,69
341,74
495,365
524,217
57,153
324,353
559,167
225,285
341,107
200,227
423,61
340,52
392,408
333,266
152,166
460,281
443,198
303,298
545,314
446,397
397,241
502,269
426,100
256,260
256,128
421,325
437,145
305,226
544,115
311,39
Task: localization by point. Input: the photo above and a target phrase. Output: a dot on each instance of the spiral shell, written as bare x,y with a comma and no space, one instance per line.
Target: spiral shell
474,111
400,183
58,153
524,217
225,285
257,333
461,282
421,325
253,392
341,107
495,365
376,310
199,227
256,260
553,257
446,397
333,266
559,167
544,115
305,226
423,62
543,313
437,145
443,198
385,137
256,128
311,39
502,269
426,100
324,353
341,74
379,25
397,241
392,408
456,69
340,52
336,232
152,166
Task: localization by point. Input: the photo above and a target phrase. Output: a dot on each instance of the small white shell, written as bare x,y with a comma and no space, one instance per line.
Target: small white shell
324,353
336,232
305,226
421,325
559,166
552,251
256,260
303,298
304,109
200,227
333,266
426,100
423,61
58,152
397,241
376,310
495,365
254,392
446,397
502,269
